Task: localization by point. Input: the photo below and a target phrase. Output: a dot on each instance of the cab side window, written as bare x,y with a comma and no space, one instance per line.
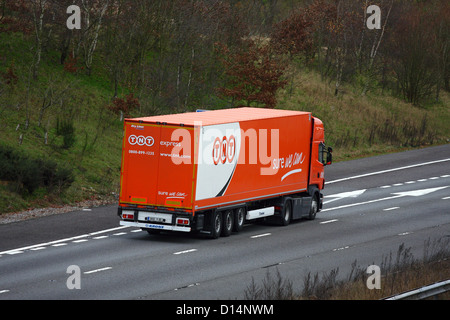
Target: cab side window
321,152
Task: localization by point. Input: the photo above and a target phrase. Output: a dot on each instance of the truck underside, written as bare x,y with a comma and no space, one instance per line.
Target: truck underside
223,221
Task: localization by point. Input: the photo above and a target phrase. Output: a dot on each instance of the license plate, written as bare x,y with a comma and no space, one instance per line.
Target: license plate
155,219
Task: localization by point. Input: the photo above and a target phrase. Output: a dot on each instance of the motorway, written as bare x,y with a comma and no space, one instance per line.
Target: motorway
372,206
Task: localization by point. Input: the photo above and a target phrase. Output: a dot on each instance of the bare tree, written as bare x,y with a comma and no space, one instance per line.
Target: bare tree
38,10
375,46
94,12
54,91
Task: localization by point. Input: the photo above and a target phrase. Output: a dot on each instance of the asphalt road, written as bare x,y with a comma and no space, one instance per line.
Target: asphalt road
372,206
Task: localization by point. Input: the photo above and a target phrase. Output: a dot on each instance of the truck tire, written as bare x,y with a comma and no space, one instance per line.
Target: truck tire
314,207
227,223
286,214
239,219
216,224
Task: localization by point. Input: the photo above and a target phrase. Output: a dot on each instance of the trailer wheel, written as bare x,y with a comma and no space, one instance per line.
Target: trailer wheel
239,219
228,222
216,224
286,214
314,207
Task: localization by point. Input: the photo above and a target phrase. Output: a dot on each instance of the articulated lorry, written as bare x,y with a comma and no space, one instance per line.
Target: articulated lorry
212,172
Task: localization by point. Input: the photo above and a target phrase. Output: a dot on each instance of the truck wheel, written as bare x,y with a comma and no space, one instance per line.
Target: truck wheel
314,207
228,222
239,219
216,224
286,214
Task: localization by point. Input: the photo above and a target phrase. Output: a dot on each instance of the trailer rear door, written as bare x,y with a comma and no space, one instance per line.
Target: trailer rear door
176,167
140,161
157,170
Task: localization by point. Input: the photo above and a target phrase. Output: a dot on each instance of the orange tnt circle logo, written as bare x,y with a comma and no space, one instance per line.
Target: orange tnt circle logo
224,150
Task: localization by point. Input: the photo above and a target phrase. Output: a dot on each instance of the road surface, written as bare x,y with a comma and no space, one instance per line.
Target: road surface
372,206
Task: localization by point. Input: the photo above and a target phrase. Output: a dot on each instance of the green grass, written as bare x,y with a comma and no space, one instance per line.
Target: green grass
376,123
95,154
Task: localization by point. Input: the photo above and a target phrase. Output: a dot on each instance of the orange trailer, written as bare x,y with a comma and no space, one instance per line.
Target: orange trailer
213,171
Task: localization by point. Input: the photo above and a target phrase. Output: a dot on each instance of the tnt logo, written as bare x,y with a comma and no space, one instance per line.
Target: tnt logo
224,150
141,140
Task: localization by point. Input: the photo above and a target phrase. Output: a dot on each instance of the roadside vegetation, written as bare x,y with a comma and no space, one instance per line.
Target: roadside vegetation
399,273
64,93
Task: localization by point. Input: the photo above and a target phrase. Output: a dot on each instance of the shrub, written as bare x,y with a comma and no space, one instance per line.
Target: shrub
27,174
66,129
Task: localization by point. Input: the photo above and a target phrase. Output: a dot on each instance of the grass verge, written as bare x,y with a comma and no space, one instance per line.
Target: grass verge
400,272
366,125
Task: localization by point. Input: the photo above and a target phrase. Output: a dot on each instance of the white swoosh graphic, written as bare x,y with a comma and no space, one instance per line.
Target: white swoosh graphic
290,172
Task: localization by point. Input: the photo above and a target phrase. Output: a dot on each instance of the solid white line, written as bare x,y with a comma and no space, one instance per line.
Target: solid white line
185,251
260,235
14,251
97,270
107,230
11,253
329,221
388,170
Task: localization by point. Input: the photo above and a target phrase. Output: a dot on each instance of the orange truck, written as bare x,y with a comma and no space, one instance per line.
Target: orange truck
211,172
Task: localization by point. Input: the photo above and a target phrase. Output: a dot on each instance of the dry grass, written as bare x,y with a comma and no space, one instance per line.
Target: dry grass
400,272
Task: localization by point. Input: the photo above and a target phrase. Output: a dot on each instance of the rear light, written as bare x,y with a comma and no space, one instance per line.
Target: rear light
128,215
183,221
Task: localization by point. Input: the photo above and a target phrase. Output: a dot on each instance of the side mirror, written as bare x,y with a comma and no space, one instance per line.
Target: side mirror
329,159
329,156
325,156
